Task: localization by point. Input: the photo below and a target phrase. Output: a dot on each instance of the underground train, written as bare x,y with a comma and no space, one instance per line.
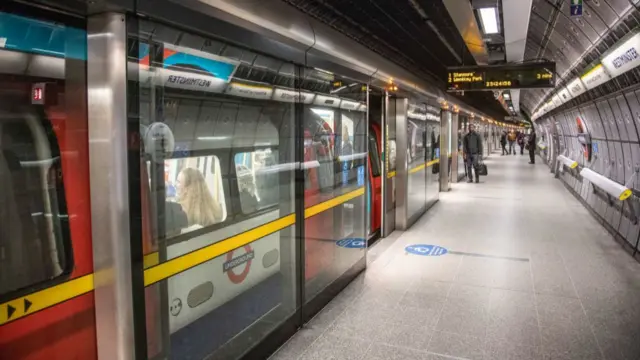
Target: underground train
237,160
217,135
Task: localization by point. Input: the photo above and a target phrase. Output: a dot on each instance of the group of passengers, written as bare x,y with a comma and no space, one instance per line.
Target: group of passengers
524,141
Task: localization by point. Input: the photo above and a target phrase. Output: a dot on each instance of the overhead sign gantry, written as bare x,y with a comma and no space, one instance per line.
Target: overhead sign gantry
518,76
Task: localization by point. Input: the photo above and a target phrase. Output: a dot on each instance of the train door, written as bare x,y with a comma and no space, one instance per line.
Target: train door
376,155
375,178
46,259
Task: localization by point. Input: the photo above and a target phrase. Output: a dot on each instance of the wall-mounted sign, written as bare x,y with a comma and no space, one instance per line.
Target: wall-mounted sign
576,87
576,8
594,77
293,96
556,100
249,91
564,95
624,57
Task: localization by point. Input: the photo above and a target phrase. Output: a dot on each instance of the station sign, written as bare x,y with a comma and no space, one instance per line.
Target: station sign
519,76
624,57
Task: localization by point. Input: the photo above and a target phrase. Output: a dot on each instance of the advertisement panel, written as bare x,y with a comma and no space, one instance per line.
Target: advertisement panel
594,77
576,87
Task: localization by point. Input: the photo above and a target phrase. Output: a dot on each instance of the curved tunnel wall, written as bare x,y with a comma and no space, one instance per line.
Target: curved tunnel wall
613,123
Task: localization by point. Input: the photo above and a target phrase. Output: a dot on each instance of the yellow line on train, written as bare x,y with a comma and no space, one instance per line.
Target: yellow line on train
197,257
316,209
151,259
29,304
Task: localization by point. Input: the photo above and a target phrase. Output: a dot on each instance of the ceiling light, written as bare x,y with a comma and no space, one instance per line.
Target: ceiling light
506,96
489,20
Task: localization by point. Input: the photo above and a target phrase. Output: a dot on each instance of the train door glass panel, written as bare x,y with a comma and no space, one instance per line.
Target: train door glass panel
416,157
390,158
335,156
45,233
433,163
217,193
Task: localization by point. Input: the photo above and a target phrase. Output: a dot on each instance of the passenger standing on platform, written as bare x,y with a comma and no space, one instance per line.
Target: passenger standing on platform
521,142
512,141
532,146
472,147
503,142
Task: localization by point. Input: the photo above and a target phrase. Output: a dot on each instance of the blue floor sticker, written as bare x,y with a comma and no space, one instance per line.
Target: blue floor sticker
352,243
426,250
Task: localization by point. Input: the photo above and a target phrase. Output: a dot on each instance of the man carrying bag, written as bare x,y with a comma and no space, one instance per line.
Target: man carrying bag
472,147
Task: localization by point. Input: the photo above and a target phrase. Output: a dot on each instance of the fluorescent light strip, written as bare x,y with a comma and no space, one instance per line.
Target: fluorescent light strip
489,20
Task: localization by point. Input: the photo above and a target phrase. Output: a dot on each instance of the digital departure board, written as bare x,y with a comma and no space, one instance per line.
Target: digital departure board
520,76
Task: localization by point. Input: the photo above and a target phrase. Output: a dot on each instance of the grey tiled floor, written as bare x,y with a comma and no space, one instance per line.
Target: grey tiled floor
553,284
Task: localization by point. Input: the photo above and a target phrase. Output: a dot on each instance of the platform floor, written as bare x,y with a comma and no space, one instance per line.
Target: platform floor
529,275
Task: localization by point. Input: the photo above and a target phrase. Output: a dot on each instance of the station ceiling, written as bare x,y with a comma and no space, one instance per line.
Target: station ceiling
417,34
422,36
574,42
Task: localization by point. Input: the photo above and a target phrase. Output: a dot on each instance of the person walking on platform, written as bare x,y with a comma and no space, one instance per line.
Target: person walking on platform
472,150
503,142
512,141
532,146
520,138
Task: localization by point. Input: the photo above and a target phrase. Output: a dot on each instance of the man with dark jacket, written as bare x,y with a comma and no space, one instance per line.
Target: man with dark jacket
503,143
532,146
472,147
520,137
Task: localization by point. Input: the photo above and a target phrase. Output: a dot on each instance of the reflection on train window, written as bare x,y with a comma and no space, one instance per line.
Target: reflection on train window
32,248
318,150
392,154
196,185
258,177
35,236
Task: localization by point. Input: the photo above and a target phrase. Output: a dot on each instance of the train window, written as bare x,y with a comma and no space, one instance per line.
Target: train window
35,142
31,239
257,174
375,156
196,185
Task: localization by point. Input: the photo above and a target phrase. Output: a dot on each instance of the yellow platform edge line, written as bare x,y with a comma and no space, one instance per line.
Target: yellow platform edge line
197,257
